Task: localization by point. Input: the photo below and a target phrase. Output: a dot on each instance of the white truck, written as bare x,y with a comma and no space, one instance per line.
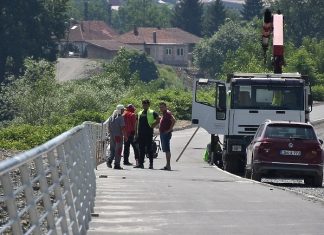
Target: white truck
237,107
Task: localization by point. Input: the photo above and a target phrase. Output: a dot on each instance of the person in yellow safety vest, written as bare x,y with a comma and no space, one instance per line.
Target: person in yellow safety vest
147,120
277,99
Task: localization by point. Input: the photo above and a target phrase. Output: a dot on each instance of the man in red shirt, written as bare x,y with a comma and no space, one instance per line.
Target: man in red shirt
166,127
130,123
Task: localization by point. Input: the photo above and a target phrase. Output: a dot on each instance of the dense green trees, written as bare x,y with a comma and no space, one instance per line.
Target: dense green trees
210,53
252,8
129,63
188,16
302,18
29,28
213,18
141,13
89,10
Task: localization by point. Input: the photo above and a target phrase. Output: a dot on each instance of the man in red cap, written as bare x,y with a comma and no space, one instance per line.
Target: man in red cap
130,123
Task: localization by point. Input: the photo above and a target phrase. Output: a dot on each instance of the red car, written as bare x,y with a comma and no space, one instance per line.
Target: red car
285,149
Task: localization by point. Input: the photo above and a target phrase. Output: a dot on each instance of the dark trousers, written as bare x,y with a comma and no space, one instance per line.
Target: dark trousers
127,145
145,146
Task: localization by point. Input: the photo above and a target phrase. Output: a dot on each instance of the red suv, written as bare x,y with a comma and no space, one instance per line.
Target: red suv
285,149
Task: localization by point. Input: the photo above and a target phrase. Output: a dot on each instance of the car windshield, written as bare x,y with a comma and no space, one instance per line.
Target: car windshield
295,132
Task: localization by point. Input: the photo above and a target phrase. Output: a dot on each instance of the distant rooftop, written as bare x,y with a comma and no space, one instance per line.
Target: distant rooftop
91,30
163,36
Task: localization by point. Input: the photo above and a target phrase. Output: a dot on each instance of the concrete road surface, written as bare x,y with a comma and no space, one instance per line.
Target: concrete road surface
195,198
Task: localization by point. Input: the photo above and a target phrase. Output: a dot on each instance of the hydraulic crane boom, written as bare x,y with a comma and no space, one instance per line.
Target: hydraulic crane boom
274,24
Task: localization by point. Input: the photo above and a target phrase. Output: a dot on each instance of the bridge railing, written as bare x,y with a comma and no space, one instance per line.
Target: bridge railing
51,189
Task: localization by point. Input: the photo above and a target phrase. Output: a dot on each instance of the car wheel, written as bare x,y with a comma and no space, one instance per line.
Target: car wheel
314,181
255,176
318,181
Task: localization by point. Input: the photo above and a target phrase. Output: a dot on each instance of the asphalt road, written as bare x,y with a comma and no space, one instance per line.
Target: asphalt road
195,198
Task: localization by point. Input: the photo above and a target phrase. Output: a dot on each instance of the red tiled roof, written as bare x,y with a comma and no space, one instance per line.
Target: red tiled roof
163,35
111,45
91,30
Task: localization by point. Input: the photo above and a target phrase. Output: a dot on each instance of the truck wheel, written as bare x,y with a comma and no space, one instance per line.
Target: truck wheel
230,163
255,176
217,159
247,173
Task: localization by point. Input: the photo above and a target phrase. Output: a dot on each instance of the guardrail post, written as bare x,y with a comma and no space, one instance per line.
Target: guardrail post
11,204
33,213
58,190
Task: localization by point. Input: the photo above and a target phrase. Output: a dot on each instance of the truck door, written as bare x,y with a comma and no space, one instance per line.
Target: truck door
209,109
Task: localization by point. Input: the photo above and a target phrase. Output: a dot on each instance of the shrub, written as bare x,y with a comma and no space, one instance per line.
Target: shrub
20,137
318,92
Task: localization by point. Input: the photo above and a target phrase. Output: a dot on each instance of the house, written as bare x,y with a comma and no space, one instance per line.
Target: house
104,49
115,4
171,46
81,33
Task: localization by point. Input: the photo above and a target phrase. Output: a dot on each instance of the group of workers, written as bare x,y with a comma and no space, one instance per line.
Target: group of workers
126,128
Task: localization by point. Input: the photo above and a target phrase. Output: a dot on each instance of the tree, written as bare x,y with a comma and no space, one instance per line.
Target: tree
210,54
252,8
28,28
214,17
188,16
129,63
141,13
302,18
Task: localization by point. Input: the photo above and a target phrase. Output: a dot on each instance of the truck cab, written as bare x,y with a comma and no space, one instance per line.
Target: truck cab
237,107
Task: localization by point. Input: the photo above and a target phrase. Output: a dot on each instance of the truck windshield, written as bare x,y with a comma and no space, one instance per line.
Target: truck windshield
267,97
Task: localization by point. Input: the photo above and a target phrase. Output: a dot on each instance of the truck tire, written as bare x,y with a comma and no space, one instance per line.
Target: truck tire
217,159
247,173
230,163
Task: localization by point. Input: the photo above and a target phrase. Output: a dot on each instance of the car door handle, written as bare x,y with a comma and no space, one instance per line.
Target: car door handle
253,111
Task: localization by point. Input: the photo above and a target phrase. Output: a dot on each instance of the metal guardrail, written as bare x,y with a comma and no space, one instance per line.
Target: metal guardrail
51,189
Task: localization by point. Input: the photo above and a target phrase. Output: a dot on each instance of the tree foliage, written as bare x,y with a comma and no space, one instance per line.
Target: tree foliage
302,18
89,10
188,16
128,63
32,96
141,13
210,53
252,8
213,18
28,28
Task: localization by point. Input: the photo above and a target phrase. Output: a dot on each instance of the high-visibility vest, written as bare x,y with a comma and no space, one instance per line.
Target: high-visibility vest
277,98
149,115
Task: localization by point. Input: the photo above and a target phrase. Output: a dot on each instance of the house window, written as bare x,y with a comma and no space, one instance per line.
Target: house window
180,51
168,51
148,51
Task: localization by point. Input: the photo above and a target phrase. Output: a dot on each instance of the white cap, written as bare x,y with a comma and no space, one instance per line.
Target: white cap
120,107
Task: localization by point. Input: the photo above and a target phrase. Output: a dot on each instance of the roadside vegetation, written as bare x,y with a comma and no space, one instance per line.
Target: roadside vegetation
34,107
37,108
